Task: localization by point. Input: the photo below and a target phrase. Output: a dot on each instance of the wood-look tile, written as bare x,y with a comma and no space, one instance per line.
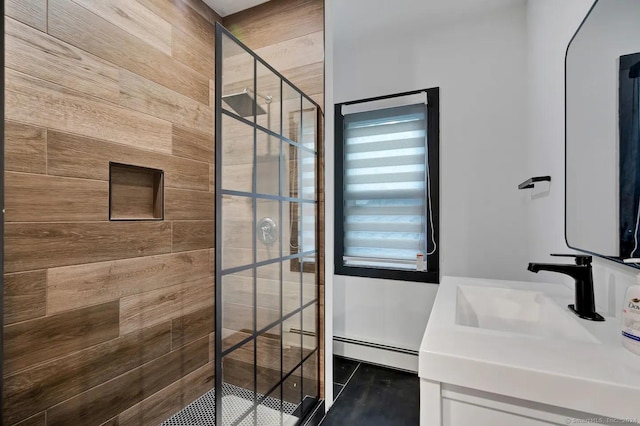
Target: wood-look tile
183,204
24,296
308,78
157,306
205,11
31,12
39,419
113,422
192,144
319,99
191,327
77,156
271,23
45,385
151,98
30,342
162,405
294,53
135,19
182,16
72,287
75,25
61,244
107,400
39,198
212,347
24,148
192,235
212,177
39,55
37,102
193,53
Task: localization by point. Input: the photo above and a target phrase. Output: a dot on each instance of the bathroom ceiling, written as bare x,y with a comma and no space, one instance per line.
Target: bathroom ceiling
229,7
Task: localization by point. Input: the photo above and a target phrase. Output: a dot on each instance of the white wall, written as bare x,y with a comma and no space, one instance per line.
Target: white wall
550,26
476,55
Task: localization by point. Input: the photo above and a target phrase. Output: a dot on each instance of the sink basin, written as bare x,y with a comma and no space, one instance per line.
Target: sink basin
517,311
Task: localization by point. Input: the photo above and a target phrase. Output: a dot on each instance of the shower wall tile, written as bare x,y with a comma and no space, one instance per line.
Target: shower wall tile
135,19
151,98
81,157
212,177
181,204
33,13
25,148
37,420
38,54
192,235
88,83
192,144
68,376
192,52
171,399
191,327
37,102
73,287
32,246
203,10
184,18
109,399
73,24
39,198
154,307
24,296
281,20
30,342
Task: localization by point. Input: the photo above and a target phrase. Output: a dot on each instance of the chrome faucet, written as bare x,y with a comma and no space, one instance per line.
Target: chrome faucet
581,272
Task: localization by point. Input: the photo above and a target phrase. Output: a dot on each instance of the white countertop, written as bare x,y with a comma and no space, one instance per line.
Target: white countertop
599,377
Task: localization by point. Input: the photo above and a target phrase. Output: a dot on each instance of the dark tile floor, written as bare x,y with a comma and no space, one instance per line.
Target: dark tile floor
371,395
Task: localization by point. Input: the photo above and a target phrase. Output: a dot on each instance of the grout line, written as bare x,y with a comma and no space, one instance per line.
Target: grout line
339,393
335,399
354,372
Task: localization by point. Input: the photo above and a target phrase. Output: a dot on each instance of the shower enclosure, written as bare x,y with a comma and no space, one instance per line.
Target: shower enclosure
266,330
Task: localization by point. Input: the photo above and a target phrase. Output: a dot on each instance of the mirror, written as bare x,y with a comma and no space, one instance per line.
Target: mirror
602,73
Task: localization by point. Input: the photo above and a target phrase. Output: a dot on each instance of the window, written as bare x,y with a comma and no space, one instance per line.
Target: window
387,186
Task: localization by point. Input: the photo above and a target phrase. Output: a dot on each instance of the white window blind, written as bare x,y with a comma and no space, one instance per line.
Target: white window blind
385,187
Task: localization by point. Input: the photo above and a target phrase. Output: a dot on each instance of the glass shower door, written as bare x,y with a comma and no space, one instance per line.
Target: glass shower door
266,349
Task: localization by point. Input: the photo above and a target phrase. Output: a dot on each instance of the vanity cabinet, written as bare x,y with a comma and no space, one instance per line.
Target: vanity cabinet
449,405
509,353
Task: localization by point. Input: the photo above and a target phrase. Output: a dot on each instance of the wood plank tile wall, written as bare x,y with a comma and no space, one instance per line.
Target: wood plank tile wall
106,322
289,35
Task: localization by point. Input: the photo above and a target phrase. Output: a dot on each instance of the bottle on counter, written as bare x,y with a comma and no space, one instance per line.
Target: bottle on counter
631,318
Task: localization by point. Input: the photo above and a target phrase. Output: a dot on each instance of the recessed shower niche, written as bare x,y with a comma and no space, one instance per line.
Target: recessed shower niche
135,193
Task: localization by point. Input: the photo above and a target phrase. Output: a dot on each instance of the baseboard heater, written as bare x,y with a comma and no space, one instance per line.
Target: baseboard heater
375,345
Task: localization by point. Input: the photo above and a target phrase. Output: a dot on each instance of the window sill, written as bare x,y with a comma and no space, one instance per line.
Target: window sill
388,274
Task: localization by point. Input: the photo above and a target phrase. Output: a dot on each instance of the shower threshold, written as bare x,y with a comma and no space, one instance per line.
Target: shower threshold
237,401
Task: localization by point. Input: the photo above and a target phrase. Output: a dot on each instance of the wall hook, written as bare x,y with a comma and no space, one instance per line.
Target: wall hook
530,183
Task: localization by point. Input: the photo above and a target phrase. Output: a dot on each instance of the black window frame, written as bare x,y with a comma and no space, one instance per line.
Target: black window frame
432,274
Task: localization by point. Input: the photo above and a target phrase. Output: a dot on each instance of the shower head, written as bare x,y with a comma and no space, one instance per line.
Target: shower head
243,103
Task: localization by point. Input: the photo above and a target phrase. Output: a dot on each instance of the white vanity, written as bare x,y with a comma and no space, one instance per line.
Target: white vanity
511,353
